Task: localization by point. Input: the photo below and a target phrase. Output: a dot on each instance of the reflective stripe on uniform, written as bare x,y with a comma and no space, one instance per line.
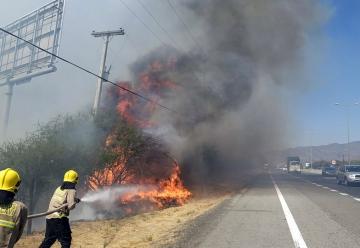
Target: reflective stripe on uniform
8,224
7,215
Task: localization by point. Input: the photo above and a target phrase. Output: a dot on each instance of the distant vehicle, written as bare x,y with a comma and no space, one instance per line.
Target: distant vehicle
329,170
348,174
293,165
307,165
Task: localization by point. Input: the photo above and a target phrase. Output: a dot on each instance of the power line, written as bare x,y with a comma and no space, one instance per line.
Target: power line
183,23
118,52
149,12
89,72
192,37
172,7
144,23
158,23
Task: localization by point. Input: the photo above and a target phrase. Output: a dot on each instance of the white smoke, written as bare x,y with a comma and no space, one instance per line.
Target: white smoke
108,195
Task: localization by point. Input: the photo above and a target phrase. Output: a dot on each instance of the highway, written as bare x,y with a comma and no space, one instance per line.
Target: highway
281,210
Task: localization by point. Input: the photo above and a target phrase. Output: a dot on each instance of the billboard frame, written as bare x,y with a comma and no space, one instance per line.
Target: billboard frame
42,27
19,61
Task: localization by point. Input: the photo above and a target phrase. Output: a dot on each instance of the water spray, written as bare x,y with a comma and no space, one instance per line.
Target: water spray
112,194
104,196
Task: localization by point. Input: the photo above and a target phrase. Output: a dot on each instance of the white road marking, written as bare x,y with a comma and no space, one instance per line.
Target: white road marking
294,230
332,190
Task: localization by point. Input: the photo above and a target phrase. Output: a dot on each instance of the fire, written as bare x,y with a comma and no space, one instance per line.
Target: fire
153,83
167,192
155,193
162,184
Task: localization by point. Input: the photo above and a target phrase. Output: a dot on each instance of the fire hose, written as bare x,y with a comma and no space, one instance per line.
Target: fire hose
33,216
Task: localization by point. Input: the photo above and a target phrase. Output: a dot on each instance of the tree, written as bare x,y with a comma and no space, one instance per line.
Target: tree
130,156
42,157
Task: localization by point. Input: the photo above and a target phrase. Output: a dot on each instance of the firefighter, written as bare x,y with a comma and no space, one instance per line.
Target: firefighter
57,224
13,214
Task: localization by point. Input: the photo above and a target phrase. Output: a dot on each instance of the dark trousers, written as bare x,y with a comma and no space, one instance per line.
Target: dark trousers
57,229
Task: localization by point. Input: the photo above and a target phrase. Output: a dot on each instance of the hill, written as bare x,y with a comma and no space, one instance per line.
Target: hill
324,152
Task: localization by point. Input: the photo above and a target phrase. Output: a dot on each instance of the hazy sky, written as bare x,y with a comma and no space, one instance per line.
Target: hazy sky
70,90
333,64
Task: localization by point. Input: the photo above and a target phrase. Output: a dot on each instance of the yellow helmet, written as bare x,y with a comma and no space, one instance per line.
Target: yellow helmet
10,180
71,176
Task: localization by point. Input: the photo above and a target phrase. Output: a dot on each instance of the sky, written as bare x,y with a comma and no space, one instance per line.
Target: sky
332,65
334,76
70,90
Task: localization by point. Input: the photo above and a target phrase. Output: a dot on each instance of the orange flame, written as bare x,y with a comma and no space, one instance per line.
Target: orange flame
164,192
167,192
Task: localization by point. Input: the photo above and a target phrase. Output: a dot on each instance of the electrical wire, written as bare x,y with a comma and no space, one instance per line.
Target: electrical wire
187,28
184,24
89,72
158,23
146,26
144,23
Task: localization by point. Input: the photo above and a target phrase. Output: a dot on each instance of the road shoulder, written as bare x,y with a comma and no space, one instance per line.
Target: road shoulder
250,219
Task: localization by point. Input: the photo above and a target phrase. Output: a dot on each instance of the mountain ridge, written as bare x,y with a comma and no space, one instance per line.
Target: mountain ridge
333,151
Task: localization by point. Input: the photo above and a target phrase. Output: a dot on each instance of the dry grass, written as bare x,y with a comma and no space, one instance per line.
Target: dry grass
153,229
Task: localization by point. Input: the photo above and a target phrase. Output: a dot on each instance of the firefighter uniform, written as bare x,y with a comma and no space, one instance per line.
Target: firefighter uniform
12,222
57,224
13,214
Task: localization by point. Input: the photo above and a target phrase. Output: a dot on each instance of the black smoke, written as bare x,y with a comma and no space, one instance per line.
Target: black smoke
230,106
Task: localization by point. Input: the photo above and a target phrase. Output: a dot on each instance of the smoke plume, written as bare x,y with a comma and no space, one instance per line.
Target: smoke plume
229,97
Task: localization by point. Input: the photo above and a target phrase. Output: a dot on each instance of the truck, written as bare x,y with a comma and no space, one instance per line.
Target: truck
293,164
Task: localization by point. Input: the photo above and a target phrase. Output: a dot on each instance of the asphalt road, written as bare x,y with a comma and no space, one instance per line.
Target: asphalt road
304,211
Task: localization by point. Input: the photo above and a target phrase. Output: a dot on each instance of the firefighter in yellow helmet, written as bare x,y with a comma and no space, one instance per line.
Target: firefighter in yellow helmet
13,214
57,224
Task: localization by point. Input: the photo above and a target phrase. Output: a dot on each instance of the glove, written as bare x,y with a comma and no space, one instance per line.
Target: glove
65,211
77,200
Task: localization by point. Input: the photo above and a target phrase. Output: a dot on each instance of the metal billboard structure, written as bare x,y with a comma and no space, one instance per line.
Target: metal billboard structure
19,61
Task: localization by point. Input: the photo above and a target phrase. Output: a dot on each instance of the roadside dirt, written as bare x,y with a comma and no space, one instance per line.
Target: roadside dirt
155,229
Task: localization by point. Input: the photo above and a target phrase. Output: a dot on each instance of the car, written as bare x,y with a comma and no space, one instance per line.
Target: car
348,174
329,170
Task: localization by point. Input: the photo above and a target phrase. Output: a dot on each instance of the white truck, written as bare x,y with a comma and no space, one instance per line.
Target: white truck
293,165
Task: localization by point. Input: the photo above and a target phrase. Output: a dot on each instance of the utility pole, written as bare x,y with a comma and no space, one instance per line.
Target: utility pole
8,94
347,127
311,148
103,74
348,137
311,156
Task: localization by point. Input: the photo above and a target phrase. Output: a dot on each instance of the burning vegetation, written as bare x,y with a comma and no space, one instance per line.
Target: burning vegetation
146,163
229,113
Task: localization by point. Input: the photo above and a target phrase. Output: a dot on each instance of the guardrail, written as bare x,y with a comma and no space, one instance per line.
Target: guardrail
311,171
